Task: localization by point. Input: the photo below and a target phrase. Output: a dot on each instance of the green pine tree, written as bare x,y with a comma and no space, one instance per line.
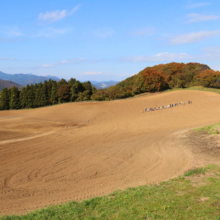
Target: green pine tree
61,83
44,94
14,100
37,98
71,82
22,97
73,93
88,86
4,99
54,93
49,86
30,96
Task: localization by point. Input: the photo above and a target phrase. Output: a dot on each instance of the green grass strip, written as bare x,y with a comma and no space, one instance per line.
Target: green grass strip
198,88
195,171
201,88
211,129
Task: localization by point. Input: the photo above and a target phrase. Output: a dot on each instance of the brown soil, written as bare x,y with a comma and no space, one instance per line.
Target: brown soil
203,143
54,155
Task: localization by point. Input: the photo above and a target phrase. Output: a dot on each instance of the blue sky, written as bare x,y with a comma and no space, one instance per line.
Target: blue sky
106,40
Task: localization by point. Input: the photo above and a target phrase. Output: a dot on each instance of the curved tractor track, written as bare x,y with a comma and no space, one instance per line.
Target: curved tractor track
54,155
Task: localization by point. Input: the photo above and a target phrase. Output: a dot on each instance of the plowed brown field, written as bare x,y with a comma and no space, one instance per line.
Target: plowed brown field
53,155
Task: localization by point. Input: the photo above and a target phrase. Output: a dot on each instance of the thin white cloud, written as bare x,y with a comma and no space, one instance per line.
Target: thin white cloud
48,65
128,74
211,53
193,37
103,33
160,57
74,60
14,33
51,32
52,16
197,17
217,67
212,49
80,60
11,31
92,73
144,32
62,62
4,58
197,5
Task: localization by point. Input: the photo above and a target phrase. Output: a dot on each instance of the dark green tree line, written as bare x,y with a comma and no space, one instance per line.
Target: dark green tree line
43,94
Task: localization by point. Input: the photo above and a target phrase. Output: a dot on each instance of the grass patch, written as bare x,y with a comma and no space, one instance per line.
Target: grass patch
199,88
174,199
174,89
211,129
195,171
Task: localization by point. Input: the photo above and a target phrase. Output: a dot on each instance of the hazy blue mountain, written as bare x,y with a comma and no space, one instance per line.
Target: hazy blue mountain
103,84
53,77
8,84
24,79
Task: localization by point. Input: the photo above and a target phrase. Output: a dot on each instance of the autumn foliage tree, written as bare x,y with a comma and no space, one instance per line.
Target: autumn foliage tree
64,93
209,78
154,80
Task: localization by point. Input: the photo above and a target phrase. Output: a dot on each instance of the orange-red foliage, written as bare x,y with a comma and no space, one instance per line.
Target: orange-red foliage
154,79
163,76
209,78
64,93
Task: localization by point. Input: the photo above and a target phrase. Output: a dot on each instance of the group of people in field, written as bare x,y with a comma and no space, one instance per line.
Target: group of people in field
166,106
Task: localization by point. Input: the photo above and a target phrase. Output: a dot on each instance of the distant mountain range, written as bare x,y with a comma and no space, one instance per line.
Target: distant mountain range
24,79
8,84
103,84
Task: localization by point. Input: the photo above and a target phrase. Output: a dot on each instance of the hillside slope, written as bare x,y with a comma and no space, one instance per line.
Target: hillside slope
54,155
8,84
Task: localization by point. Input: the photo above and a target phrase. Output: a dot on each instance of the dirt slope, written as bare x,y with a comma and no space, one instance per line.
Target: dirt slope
53,155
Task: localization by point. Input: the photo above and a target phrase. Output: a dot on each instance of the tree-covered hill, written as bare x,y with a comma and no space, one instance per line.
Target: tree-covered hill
161,77
151,79
8,84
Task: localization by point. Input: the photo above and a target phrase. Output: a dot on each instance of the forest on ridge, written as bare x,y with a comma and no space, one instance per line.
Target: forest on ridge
151,79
